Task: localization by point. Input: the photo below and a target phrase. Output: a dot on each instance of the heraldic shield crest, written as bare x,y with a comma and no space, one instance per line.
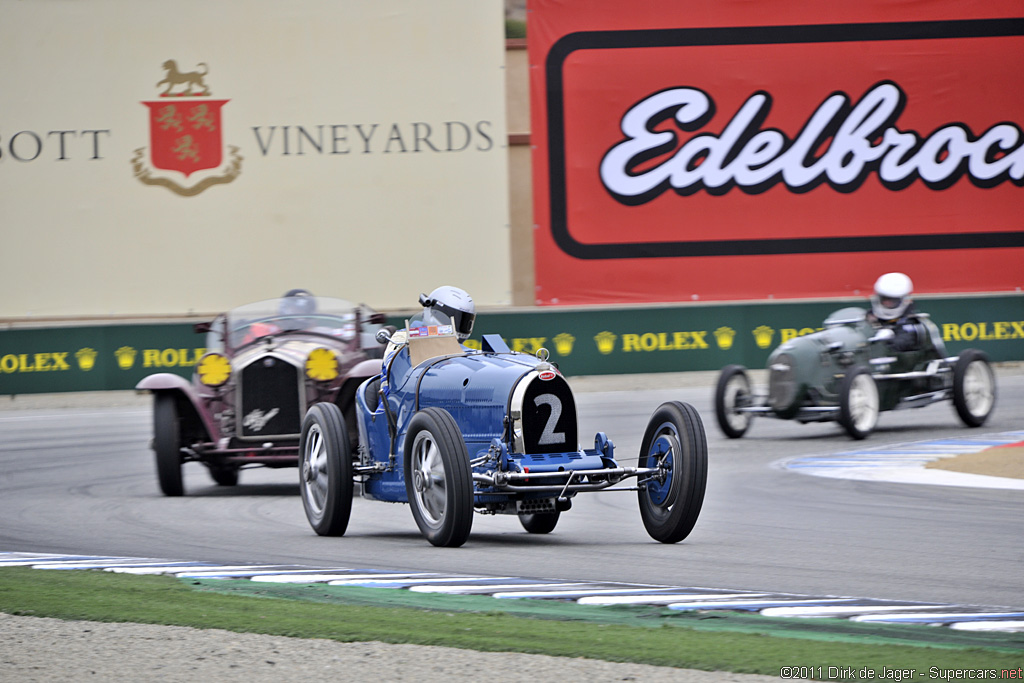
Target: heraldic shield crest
185,135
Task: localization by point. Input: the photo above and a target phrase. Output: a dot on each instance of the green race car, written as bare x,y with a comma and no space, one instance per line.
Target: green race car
849,372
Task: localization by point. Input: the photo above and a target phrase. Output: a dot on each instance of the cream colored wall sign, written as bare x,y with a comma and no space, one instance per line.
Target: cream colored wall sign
188,157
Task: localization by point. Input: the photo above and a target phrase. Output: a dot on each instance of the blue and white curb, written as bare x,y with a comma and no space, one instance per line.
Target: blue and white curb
962,617
905,463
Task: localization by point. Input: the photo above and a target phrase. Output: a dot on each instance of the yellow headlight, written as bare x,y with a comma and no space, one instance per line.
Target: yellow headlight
322,365
213,369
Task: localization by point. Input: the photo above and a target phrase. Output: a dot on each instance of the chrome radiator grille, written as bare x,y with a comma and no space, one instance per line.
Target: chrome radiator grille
271,400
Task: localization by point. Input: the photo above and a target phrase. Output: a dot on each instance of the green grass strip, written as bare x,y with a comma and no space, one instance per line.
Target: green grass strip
648,616
109,597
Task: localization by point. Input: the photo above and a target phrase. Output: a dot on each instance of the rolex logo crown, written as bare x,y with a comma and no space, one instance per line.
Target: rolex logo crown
724,337
763,336
86,358
125,357
605,342
563,343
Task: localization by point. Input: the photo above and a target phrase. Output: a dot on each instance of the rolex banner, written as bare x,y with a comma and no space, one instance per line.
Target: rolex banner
734,150
581,341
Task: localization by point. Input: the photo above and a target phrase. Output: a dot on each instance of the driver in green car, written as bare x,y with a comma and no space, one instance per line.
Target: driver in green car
893,309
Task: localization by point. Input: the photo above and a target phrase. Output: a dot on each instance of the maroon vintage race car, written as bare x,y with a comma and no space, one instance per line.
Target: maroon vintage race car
265,364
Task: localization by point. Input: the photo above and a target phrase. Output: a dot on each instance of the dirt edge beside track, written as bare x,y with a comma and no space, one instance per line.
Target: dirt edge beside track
38,649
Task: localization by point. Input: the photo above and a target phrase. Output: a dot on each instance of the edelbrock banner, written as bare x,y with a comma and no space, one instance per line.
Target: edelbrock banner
792,149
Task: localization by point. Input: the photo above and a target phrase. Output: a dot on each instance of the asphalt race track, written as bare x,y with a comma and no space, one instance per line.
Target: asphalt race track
81,480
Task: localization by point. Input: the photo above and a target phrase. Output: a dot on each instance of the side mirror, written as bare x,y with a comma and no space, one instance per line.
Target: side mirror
202,328
383,336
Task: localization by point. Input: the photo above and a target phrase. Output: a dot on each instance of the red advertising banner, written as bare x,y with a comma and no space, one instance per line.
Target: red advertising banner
733,150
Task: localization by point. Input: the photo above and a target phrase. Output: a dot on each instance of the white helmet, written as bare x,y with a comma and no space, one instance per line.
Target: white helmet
892,296
454,303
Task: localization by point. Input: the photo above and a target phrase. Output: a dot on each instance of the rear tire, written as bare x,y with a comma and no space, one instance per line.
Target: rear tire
224,475
733,390
167,444
539,523
858,403
438,479
974,387
325,470
670,502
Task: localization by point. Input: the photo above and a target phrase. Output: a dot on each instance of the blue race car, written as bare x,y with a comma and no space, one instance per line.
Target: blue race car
452,431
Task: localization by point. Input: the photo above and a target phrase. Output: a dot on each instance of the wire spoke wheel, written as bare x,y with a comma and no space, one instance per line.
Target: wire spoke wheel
732,392
858,403
974,387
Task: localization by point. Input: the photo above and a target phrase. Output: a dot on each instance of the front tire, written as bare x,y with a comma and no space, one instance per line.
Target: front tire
325,470
974,387
438,479
732,391
539,523
858,403
167,444
671,500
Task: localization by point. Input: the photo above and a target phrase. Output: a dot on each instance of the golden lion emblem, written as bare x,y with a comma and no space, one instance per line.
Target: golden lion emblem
191,79
186,148
169,118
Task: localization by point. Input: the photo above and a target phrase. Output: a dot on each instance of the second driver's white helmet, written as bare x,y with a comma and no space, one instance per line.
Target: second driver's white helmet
454,303
892,296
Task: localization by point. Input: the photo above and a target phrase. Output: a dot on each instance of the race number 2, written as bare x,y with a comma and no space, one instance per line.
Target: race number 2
549,435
